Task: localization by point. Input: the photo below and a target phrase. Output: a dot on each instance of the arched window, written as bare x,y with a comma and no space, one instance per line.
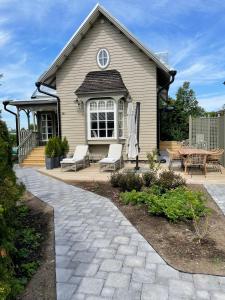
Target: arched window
103,58
101,119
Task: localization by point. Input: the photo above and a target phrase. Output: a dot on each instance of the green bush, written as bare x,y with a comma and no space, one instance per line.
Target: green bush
153,162
134,197
64,146
115,179
169,180
127,181
13,221
53,147
178,204
149,178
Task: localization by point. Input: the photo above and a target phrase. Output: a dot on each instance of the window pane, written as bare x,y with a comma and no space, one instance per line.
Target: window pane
93,105
120,105
110,124
101,105
110,116
110,133
102,125
102,133
93,116
101,116
94,125
120,132
49,117
110,104
94,133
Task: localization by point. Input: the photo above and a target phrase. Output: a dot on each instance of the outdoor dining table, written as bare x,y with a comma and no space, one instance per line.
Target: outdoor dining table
189,151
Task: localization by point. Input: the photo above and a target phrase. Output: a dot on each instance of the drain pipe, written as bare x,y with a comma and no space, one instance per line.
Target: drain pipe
38,85
5,103
172,74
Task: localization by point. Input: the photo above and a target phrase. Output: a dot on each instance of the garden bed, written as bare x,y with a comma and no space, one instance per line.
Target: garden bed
42,284
175,242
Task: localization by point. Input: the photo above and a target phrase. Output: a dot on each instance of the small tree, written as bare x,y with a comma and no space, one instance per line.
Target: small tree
174,124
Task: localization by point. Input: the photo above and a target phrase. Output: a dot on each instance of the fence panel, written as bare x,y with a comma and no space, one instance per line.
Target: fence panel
204,132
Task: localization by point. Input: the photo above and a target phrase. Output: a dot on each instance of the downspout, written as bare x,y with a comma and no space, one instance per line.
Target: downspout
38,85
172,74
5,103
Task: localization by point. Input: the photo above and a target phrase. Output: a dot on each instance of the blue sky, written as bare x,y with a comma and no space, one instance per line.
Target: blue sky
192,32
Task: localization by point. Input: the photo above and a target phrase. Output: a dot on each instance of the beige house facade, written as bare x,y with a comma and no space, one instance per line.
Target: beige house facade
101,69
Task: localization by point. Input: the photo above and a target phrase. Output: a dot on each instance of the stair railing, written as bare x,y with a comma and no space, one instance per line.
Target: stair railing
27,143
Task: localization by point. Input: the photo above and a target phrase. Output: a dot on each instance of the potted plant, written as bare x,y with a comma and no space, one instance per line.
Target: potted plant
64,148
49,154
57,150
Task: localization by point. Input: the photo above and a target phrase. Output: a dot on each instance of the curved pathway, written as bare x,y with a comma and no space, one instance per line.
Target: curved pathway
100,255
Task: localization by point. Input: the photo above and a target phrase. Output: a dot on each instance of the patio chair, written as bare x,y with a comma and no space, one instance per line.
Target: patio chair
174,156
80,159
114,159
214,159
194,161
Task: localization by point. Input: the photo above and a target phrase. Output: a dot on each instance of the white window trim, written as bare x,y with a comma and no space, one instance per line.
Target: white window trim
89,121
98,61
123,128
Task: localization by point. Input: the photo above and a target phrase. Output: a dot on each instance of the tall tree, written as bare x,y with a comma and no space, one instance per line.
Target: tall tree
174,123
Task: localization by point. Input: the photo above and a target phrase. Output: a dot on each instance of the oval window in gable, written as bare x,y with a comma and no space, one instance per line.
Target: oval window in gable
103,58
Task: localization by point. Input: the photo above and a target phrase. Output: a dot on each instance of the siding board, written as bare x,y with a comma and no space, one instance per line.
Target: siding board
137,71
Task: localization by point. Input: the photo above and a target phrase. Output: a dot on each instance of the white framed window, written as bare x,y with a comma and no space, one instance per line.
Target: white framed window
101,119
103,58
121,118
46,126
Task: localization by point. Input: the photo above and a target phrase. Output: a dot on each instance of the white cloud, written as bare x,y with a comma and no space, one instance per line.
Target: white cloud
5,37
212,102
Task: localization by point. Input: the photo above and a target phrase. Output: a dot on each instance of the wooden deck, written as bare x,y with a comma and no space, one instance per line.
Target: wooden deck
93,173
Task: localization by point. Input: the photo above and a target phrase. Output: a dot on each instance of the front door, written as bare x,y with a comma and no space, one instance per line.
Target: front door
46,126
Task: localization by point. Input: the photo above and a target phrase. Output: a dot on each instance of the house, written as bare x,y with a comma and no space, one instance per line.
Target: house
85,92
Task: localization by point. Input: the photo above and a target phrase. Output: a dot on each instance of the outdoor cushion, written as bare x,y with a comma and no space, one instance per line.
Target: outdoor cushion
70,160
108,160
115,151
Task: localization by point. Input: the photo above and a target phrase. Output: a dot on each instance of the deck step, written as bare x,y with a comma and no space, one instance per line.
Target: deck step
35,158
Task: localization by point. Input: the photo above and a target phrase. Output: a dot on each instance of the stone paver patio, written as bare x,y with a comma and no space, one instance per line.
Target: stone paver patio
100,255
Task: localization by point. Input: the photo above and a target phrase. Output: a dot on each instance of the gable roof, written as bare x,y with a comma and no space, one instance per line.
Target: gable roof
107,81
48,78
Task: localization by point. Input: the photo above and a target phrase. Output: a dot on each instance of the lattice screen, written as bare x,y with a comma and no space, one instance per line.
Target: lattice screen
204,132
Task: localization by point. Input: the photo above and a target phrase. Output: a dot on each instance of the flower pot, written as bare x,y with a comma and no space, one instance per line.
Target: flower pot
56,162
49,163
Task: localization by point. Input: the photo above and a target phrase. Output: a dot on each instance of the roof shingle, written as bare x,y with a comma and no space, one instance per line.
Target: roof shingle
102,81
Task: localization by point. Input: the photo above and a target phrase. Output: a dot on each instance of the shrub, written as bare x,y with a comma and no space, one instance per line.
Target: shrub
115,179
178,204
153,162
169,180
64,146
53,147
127,181
149,178
134,197
49,149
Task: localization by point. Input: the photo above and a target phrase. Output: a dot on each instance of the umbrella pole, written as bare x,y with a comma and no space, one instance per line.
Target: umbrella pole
137,119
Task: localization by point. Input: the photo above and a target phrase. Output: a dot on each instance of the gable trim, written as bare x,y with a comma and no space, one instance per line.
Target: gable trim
48,77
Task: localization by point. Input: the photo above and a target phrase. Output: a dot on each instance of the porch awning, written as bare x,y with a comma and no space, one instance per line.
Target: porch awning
35,104
109,81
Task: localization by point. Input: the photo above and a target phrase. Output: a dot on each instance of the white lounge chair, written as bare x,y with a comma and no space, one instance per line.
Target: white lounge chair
79,159
114,159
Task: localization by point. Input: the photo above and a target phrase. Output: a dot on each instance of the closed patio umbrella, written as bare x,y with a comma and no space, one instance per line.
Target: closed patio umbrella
132,144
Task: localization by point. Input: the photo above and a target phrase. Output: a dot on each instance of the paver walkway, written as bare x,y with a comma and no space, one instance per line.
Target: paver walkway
100,255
